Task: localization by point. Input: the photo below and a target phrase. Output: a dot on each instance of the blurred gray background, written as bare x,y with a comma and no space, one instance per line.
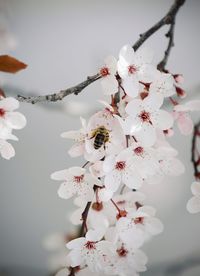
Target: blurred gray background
63,42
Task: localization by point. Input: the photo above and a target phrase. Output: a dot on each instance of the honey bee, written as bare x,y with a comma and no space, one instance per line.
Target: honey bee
101,136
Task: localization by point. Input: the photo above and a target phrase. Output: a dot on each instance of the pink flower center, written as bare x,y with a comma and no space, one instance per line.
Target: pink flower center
145,116
90,245
78,178
104,71
120,165
132,69
2,112
122,252
138,151
139,220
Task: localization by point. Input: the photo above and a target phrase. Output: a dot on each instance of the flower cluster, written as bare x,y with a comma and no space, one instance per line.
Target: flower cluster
125,146
9,120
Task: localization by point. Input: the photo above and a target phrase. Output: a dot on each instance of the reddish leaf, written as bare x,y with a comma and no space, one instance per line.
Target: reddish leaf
10,64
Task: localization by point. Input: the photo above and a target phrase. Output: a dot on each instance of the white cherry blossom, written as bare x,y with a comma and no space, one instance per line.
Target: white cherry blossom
119,169
193,205
129,261
146,116
9,117
162,85
76,182
182,116
90,250
134,67
108,71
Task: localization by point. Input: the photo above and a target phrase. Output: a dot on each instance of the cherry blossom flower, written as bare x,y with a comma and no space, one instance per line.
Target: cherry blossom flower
182,116
119,169
134,67
9,117
129,261
90,250
76,182
108,71
162,85
193,205
9,120
144,218
101,214
146,116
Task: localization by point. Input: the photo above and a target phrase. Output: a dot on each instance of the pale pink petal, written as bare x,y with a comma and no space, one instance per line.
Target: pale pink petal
153,102
94,235
109,85
65,190
147,73
9,104
132,179
111,63
76,171
76,150
162,119
193,205
185,124
6,149
112,180
144,55
60,175
134,107
15,120
74,258
154,226
131,86
76,243
195,188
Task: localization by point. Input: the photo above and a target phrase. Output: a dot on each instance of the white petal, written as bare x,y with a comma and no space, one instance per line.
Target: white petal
9,104
105,194
15,120
131,86
76,150
76,243
109,85
162,119
127,54
112,180
74,258
111,63
195,188
109,163
153,102
193,205
147,73
185,124
65,190
76,171
72,134
6,149
60,175
154,226
144,55
94,235
132,179
134,107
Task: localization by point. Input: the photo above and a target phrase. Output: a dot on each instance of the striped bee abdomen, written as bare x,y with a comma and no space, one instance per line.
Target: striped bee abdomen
99,140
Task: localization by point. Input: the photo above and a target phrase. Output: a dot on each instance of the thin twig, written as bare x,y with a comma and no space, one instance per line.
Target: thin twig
196,161
169,18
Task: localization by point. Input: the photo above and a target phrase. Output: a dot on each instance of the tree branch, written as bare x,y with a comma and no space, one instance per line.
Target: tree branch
195,158
169,18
